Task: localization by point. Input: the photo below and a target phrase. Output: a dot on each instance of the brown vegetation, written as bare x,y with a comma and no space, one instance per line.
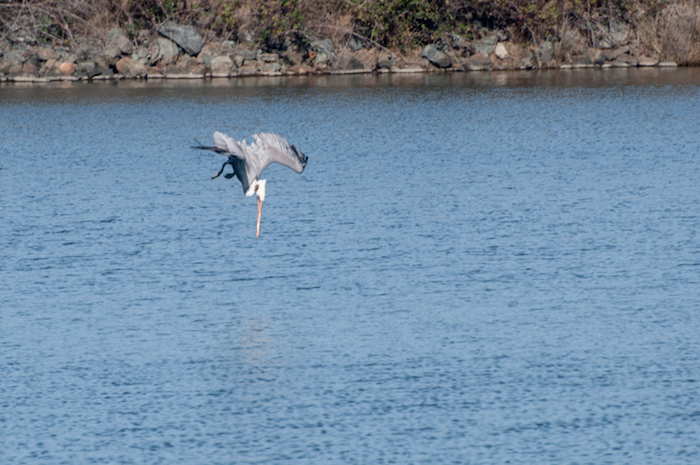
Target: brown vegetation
666,28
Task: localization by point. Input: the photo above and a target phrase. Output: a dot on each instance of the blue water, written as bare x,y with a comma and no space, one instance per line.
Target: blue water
473,269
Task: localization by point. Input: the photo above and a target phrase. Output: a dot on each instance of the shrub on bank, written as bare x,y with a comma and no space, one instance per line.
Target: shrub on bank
669,29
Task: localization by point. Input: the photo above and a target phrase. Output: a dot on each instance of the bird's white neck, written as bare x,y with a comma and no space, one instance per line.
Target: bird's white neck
258,187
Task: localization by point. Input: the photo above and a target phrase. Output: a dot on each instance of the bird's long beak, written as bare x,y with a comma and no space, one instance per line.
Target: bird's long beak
257,227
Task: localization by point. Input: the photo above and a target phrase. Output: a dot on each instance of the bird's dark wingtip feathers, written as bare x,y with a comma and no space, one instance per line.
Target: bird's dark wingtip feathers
301,157
199,146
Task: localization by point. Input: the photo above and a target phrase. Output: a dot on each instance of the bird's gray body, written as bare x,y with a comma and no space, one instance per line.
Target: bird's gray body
249,161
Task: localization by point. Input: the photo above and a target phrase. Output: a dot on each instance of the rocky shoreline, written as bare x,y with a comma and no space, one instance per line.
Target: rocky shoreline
180,52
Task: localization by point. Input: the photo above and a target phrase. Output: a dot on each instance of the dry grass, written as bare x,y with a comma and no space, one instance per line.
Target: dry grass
668,28
671,32
52,20
679,27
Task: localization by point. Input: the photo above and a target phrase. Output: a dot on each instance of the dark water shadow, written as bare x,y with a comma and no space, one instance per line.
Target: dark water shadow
584,78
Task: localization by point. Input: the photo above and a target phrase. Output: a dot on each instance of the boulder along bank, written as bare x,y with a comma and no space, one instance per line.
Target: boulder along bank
178,51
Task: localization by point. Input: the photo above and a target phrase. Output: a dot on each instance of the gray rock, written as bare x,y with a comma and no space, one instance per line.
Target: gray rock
106,59
207,54
627,59
322,58
458,42
613,54
386,61
140,53
131,68
598,57
645,61
21,36
15,68
84,51
186,37
49,67
31,58
615,36
68,57
30,69
10,65
114,33
188,66
271,68
86,69
269,57
583,61
11,55
619,64
46,53
102,62
118,39
325,53
111,51
486,45
349,63
436,56
247,70
221,65
355,43
501,51
546,51
478,62
168,51
246,55
325,46
527,62
102,71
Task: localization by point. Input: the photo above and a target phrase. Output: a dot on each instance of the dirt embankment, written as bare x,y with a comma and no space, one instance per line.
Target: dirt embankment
43,40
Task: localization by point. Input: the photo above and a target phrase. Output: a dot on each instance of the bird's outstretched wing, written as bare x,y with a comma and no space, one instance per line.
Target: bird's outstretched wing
271,148
230,145
225,145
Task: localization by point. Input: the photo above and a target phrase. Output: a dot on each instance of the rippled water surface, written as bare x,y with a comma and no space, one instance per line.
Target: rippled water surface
474,268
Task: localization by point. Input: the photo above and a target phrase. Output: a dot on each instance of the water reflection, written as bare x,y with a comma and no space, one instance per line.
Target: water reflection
257,341
588,78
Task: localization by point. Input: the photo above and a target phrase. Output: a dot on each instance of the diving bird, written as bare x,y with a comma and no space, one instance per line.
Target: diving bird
249,161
